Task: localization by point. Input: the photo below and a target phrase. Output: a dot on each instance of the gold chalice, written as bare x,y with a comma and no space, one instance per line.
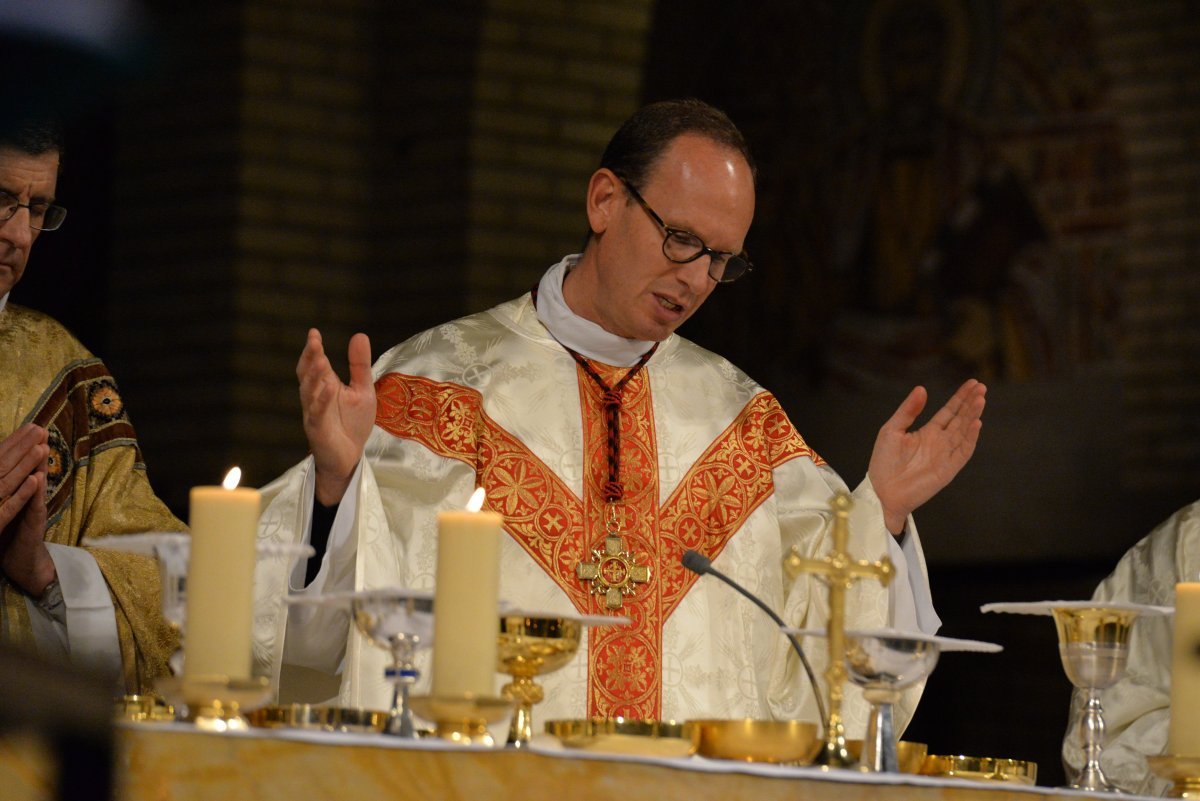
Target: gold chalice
530,646
1093,641
1094,646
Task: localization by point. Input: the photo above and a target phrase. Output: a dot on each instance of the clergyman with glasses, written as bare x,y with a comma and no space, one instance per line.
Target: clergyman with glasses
70,466
591,423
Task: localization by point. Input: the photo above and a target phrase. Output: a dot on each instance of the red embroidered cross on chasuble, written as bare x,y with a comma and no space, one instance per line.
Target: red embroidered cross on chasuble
559,530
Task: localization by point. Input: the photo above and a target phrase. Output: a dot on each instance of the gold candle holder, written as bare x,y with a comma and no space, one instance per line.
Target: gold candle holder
144,709
462,719
1184,771
214,702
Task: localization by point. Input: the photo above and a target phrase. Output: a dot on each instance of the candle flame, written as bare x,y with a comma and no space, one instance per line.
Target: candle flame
232,478
476,502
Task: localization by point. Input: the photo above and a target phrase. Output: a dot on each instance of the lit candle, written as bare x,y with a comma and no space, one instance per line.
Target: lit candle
466,618
220,592
1183,735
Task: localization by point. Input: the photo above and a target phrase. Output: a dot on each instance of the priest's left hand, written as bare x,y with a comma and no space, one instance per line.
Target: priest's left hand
910,467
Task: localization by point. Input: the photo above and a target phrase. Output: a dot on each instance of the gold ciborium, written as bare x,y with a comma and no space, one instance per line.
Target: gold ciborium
530,646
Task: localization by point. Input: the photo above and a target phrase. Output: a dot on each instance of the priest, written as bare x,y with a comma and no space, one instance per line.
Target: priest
588,420
70,465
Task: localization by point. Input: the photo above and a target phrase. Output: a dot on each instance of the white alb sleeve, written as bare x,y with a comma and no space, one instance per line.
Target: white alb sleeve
84,628
316,635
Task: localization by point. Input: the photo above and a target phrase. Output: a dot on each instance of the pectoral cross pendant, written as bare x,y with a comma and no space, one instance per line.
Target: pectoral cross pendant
613,572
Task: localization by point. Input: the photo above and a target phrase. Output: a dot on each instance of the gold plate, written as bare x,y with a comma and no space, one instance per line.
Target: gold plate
909,755
321,718
748,740
1018,771
442,708
630,736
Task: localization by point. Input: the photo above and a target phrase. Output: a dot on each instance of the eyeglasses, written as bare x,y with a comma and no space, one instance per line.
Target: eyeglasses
683,247
42,216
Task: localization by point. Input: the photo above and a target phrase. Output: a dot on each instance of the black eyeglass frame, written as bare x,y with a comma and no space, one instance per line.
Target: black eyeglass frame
668,233
48,210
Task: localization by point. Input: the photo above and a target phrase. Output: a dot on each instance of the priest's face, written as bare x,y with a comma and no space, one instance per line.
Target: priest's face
628,285
31,180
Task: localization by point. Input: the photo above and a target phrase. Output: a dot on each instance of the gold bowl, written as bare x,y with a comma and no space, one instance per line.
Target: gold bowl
1017,771
909,755
321,718
748,740
660,738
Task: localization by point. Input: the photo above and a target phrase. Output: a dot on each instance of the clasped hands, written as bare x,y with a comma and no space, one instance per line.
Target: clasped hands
907,468
24,462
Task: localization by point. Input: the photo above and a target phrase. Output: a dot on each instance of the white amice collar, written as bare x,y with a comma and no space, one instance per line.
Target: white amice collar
582,336
4,301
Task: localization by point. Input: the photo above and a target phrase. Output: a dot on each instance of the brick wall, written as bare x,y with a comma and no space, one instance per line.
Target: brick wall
554,81
361,165
1150,49
350,165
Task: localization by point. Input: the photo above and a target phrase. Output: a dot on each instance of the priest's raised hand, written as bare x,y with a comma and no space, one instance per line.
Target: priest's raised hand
337,417
909,467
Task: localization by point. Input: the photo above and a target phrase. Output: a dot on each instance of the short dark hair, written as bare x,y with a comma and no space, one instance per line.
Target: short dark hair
33,136
641,140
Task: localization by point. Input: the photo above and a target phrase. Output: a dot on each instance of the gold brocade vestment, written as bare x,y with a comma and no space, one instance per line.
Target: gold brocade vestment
96,483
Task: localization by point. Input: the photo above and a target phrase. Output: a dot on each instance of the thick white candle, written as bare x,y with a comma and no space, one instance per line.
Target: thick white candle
1183,736
220,591
466,619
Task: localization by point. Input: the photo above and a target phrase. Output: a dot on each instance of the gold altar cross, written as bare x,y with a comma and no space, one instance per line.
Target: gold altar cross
613,572
840,572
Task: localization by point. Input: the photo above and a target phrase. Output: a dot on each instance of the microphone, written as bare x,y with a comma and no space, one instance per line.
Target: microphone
701,565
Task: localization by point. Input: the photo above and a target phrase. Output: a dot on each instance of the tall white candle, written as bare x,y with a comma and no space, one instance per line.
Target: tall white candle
1183,734
220,592
466,619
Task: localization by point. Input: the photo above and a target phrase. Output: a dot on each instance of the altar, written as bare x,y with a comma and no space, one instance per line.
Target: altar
175,762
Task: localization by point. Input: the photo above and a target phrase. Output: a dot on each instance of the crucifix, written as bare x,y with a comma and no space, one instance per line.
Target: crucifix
613,572
840,572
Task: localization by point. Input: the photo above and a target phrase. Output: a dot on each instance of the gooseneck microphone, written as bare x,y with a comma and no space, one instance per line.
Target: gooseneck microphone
701,565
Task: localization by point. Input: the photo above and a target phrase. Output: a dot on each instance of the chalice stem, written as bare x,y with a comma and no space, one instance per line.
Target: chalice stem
879,748
1091,735
400,721
521,729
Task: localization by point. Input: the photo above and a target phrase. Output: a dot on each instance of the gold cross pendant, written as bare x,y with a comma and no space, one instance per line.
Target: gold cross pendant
613,572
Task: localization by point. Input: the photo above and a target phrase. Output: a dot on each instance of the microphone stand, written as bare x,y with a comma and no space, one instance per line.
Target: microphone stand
699,564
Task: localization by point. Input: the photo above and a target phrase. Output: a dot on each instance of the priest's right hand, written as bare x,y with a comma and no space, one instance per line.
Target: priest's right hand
337,417
21,452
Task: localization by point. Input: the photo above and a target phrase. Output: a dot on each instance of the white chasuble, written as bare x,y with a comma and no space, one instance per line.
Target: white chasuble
708,461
